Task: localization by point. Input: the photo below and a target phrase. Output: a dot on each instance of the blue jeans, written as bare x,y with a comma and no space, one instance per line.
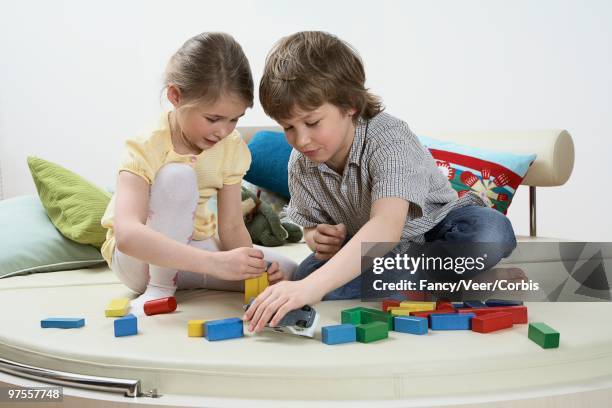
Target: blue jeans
461,225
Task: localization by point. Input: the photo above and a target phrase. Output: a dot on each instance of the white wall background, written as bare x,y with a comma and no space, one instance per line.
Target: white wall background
77,78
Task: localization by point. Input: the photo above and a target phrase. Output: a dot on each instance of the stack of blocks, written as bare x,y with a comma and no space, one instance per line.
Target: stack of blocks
253,287
359,324
481,317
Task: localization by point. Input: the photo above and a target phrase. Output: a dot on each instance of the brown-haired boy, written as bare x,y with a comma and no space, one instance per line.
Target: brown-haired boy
356,175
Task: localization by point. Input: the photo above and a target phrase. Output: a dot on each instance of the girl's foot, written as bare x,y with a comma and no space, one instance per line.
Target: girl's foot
151,293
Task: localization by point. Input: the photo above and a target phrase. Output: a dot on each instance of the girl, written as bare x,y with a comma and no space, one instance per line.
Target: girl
160,234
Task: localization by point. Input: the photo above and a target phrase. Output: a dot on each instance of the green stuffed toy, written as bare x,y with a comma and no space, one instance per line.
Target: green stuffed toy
264,224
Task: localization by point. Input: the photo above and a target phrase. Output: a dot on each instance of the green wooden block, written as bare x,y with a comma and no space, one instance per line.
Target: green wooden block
543,335
351,316
373,315
369,332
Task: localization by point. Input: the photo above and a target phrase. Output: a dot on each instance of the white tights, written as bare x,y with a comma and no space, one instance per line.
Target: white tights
172,205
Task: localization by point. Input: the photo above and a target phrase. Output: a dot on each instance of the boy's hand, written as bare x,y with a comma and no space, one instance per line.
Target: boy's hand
274,274
278,300
328,240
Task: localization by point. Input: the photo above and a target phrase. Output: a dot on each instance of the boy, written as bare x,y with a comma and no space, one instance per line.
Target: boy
356,175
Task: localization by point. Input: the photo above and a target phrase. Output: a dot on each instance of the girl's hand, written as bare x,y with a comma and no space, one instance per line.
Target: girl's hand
274,274
238,264
277,300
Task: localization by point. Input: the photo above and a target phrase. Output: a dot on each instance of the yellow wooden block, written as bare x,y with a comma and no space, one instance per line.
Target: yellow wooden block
263,282
398,311
404,311
117,307
195,328
251,289
424,306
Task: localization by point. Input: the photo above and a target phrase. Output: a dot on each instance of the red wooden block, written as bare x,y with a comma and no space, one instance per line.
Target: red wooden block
519,313
417,295
387,303
157,306
490,322
446,306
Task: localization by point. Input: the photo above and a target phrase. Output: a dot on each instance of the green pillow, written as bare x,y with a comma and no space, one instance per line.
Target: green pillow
30,243
74,205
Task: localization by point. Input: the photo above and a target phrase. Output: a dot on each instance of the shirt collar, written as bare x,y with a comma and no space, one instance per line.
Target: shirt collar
356,150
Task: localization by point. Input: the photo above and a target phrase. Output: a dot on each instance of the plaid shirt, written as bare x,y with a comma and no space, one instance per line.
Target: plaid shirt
386,160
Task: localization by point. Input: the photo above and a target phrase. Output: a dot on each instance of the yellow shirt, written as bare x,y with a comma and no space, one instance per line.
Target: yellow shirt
224,163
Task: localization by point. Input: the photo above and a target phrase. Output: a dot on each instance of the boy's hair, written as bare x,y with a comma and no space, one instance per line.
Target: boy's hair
209,66
310,68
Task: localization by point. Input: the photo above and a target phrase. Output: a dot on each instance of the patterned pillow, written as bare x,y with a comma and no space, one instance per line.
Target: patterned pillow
493,175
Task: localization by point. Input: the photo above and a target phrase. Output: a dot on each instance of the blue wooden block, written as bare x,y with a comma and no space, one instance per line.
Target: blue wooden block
451,321
458,305
126,325
411,324
62,322
474,304
340,333
223,329
501,302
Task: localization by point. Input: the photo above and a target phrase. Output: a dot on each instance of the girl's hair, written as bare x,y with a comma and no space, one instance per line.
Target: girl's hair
209,66
310,68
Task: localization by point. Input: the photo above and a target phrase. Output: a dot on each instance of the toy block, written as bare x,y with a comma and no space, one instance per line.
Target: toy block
445,306
387,303
458,305
475,304
416,295
501,302
126,326
223,329
251,289
519,313
422,305
400,311
195,328
429,313
543,335
158,306
62,323
373,315
452,321
369,332
340,333
117,307
411,324
491,322
351,316
254,286
262,282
